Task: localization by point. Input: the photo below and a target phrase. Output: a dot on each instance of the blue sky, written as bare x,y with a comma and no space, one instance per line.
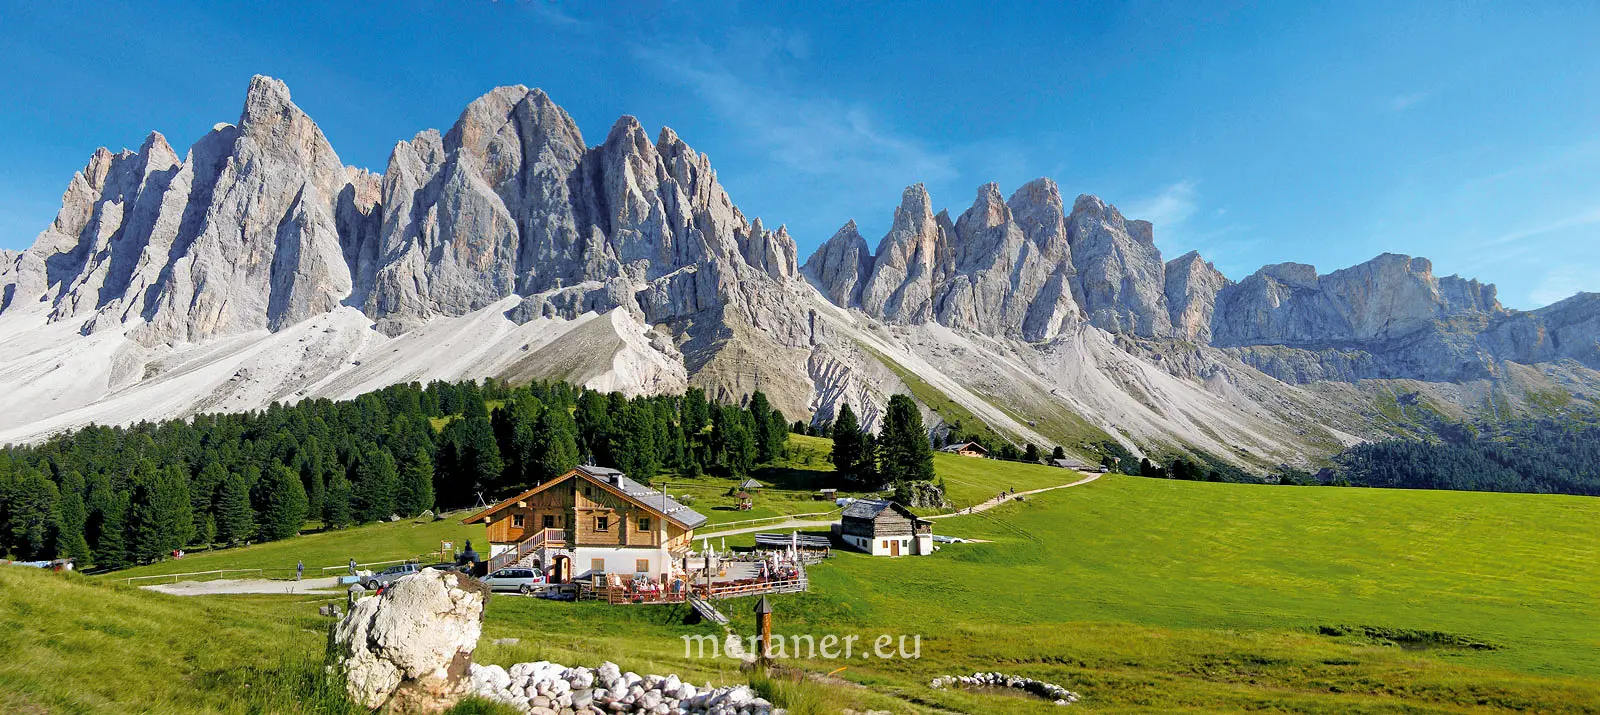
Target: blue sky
1256,133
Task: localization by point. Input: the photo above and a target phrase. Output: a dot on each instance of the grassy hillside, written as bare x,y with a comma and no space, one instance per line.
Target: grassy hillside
403,539
1180,596
80,645
1143,595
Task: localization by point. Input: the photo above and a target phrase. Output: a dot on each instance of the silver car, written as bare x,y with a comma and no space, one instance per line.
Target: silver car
389,575
520,580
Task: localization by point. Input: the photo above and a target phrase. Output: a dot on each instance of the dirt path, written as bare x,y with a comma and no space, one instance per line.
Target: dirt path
811,524
997,501
317,586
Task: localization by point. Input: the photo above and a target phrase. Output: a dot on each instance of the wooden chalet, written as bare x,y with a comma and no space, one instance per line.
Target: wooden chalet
965,449
591,521
884,528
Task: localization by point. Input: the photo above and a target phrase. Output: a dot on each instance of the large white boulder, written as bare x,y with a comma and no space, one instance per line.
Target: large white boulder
409,650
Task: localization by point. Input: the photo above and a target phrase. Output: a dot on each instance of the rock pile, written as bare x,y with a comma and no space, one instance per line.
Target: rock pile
1048,691
545,688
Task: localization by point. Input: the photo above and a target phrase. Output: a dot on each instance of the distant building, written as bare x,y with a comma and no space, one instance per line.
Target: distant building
591,520
884,528
1076,464
750,485
966,449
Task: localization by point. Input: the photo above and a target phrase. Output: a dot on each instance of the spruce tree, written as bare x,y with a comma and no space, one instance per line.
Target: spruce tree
846,444
112,551
72,519
159,521
695,413
313,474
336,502
760,411
904,451
634,443
283,503
556,444
1059,453
777,429
235,520
416,485
1031,454
203,494
594,426
29,502
479,456
373,489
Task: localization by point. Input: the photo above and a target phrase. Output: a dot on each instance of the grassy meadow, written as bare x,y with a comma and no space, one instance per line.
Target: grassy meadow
1142,595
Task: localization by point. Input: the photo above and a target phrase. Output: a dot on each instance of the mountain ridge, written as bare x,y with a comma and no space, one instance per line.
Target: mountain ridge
509,228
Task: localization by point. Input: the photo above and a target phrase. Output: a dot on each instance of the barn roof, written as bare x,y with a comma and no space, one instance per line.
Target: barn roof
959,446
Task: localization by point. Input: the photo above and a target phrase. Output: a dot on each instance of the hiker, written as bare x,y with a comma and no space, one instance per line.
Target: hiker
352,567
299,570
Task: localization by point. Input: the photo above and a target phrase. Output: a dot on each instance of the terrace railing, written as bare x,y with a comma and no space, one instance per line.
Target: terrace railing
540,538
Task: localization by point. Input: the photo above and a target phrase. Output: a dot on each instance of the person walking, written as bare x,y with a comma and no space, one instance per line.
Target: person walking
352,567
299,570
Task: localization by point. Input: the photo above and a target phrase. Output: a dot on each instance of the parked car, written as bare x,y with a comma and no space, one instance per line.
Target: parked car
387,576
516,579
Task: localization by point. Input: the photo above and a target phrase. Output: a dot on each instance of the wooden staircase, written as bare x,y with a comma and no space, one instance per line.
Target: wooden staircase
540,539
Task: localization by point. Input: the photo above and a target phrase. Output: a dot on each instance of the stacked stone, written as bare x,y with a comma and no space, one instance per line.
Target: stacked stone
1048,691
545,688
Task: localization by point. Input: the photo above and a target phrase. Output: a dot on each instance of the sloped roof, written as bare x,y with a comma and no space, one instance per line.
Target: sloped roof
750,484
869,509
615,481
957,447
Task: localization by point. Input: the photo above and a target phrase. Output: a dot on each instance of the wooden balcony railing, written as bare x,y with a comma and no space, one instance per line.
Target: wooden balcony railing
540,538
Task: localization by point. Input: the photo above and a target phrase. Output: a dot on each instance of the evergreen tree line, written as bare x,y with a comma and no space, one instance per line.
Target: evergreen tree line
115,496
1535,456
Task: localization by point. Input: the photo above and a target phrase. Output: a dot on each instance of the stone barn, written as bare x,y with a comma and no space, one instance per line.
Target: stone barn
884,528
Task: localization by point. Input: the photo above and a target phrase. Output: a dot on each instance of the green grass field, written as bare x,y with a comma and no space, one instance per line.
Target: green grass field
404,539
1142,595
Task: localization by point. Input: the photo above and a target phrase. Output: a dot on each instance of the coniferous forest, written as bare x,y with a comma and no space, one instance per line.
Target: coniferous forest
1534,456
114,497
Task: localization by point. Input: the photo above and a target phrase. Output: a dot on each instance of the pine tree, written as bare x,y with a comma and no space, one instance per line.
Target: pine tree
760,412
1031,454
112,550
904,451
633,443
159,521
203,493
556,444
235,519
1059,453
373,489
283,503
313,474
777,429
846,444
336,502
416,485
71,519
695,412
480,456
594,427
733,441
29,502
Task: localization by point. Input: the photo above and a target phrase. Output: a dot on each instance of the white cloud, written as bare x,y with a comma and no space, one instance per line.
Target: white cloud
1583,218
1406,101
813,134
1170,209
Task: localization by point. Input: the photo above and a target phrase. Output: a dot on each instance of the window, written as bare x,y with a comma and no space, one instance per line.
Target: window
602,523
641,566
885,543
597,565
549,521
644,523
516,520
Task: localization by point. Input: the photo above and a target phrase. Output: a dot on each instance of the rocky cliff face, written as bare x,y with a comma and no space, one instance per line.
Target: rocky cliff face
257,267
